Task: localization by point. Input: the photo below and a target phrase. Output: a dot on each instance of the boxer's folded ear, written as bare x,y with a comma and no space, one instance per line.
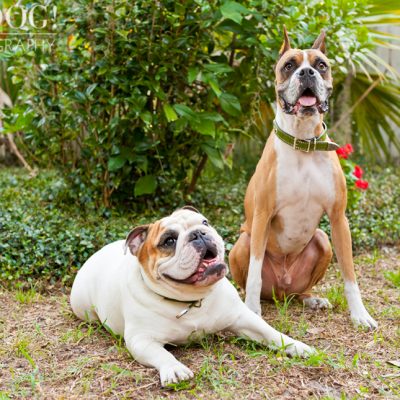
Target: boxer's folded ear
319,43
191,209
286,43
135,239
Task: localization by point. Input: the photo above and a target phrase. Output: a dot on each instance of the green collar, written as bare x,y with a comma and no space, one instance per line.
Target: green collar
315,144
191,303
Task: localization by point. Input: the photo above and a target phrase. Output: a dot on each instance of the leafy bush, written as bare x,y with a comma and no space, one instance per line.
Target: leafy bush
135,98
42,236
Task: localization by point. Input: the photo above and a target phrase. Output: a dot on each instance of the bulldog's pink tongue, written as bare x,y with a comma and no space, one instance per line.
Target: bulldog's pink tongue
307,101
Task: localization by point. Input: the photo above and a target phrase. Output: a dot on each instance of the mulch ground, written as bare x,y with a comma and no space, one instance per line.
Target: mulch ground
45,352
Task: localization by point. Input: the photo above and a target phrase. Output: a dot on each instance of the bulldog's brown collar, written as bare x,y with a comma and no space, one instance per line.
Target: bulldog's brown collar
191,303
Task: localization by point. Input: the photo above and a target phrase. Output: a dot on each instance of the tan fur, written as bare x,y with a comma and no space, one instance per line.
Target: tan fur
262,223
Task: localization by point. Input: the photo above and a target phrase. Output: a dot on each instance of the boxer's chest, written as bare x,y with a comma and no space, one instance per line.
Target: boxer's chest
305,188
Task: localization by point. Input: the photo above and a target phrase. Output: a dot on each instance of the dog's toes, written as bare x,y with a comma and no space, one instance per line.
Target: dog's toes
364,320
317,303
299,349
174,373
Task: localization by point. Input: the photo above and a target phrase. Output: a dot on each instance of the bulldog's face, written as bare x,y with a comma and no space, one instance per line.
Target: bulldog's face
181,251
303,79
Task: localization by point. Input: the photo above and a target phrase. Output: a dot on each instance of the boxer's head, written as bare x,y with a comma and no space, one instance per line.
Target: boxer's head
181,252
303,78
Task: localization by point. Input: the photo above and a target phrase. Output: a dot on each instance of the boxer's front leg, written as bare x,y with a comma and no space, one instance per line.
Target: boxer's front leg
341,238
258,243
149,352
254,327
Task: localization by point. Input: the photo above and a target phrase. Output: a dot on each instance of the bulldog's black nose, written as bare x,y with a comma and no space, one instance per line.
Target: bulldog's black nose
307,72
196,235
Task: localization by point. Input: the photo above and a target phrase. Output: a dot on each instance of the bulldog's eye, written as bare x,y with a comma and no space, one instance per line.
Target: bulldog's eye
169,241
288,66
205,222
322,66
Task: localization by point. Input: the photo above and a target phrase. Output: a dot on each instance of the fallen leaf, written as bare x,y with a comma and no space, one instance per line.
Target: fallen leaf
396,363
315,331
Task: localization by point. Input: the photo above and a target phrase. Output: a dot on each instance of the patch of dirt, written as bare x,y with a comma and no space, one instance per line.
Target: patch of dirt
45,352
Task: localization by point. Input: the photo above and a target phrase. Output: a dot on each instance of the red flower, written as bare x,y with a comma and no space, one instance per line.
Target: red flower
349,148
345,151
362,184
358,172
341,153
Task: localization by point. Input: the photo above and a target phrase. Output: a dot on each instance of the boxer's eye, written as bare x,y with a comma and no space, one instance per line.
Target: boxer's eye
205,222
288,66
322,66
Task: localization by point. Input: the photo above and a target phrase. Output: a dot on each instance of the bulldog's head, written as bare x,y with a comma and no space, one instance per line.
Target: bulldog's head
181,255
303,78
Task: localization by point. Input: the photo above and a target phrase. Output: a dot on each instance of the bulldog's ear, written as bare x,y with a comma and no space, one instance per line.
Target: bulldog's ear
319,43
286,42
191,209
135,239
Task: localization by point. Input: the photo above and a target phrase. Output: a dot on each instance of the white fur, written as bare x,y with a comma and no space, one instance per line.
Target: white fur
253,285
305,189
358,312
316,303
110,287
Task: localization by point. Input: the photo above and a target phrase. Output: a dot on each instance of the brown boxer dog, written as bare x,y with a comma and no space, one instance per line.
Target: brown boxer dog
297,180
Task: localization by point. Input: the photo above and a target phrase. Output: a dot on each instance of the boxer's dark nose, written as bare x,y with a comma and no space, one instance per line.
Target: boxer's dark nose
307,72
196,235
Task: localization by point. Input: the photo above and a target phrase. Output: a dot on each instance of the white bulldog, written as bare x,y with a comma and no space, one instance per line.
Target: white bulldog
170,287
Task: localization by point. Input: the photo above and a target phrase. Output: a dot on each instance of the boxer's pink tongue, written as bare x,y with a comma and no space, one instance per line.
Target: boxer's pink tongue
307,101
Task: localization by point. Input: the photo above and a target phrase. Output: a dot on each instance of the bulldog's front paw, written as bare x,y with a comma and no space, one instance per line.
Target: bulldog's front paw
300,349
363,319
174,373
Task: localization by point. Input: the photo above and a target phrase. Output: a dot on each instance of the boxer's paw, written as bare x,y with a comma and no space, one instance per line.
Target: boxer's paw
254,305
363,319
316,303
174,373
300,349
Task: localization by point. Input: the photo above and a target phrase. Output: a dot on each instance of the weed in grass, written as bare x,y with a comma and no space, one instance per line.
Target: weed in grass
26,296
370,258
216,374
21,349
302,326
335,295
393,277
284,324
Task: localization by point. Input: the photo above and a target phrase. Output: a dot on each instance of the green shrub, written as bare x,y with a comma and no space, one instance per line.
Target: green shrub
44,236
134,98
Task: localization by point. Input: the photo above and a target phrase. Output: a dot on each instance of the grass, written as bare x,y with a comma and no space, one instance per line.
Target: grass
45,352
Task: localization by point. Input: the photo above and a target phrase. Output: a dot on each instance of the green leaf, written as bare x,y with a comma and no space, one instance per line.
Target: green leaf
192,74
185,111
218,68
90,89
204,126
145,185
169,113
214,85
116,162
146,117
230,104
214,155
233,11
